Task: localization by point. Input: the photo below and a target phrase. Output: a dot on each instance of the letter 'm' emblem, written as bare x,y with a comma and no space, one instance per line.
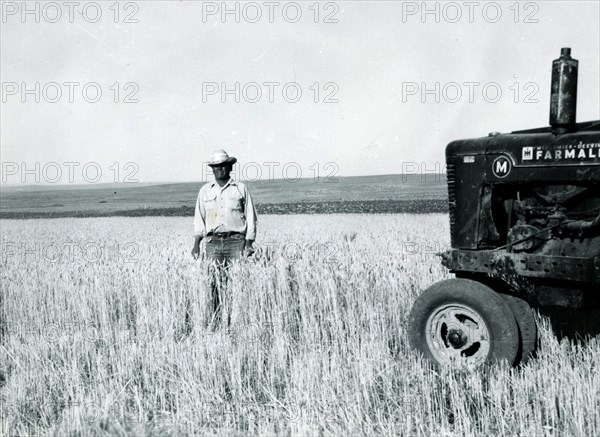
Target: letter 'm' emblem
501,166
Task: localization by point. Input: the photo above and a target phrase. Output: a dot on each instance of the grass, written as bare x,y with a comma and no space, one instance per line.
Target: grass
111,340
385,194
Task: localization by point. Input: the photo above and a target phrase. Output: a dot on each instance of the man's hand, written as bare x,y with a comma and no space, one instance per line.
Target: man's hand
249,249
196,248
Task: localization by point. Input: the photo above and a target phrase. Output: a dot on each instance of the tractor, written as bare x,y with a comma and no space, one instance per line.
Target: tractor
524,212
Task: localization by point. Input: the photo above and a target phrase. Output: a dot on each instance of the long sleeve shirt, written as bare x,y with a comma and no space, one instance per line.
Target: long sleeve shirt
225,209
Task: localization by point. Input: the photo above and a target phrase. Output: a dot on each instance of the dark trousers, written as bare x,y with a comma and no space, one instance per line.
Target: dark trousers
220,252
223,249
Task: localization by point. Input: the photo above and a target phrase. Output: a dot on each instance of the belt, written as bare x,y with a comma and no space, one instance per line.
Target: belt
223,234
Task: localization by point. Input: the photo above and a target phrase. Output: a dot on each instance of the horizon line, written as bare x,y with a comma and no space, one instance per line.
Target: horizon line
133,184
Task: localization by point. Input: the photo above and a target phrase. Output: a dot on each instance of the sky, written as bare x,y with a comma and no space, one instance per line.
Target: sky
144,91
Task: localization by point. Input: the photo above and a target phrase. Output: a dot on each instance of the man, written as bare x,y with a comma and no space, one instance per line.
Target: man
226,217
225,214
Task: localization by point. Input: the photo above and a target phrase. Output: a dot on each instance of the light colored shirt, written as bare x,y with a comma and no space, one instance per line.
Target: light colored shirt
225,209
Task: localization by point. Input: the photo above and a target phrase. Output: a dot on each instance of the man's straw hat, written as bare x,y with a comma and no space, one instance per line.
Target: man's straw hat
220,157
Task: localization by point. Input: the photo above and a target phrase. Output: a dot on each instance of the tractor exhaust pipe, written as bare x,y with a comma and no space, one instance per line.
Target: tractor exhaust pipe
563,94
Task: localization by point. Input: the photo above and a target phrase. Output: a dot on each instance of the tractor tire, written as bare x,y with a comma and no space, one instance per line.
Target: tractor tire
463,323
527,327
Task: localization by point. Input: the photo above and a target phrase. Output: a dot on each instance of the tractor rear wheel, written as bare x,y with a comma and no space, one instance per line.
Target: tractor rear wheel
463,323
527,327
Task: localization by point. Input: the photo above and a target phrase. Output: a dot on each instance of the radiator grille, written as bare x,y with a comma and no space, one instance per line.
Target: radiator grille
451,199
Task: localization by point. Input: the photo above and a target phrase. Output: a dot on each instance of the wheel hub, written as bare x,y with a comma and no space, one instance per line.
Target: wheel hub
457,338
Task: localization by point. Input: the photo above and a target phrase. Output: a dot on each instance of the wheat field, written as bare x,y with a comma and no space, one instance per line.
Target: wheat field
103,332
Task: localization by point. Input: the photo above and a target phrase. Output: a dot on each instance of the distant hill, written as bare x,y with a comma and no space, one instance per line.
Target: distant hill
387,193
